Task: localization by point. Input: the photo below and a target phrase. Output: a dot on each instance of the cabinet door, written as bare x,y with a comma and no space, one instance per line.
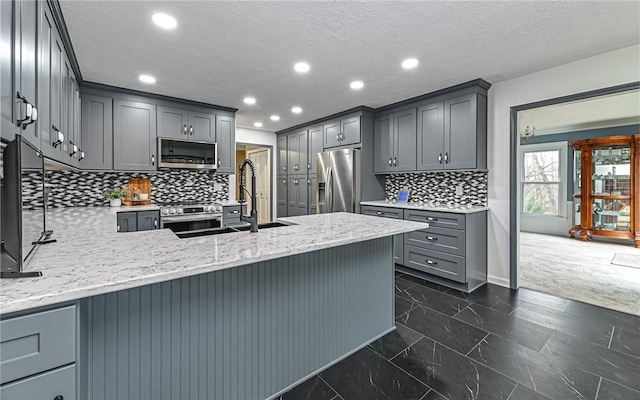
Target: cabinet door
430,140
148,220
55,98
8,104
460,132
315,147
57,384
331,133
302,188
398,249
173,123
66,109
202,126
404,141
282,197
292,196
303,156
226,144
282,154
127,221
293,157
25,62
383,144
45,39
350,130
313,194
97,132
134,136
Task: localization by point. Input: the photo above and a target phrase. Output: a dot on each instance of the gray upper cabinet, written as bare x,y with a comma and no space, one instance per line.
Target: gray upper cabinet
148,220
297,159
282,154
45,43
394,142
173,123
134,134
383,144
343,132
430,145
460,132
282,197
226,144
315,147
202,126
97,132
8,104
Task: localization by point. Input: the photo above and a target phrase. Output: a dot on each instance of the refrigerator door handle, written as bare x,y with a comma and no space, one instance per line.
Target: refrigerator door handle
329,190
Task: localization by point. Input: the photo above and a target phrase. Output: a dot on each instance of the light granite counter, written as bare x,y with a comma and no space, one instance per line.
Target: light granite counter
457,208
150,207
91,258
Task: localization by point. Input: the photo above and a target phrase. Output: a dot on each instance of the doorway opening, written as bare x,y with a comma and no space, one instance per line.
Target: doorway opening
552,198
261,158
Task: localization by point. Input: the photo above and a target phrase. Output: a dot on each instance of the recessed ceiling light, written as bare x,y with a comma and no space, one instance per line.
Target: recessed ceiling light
164,20
249,100
258,124
357,85
147,79
296,110
409,63
275,118
301,67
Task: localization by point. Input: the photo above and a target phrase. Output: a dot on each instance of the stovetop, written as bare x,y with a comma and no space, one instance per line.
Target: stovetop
190,207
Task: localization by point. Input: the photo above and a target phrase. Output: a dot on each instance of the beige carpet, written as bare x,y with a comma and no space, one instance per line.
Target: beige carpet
580,271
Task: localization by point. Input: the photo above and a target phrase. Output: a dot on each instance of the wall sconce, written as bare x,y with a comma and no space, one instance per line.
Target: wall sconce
528,133
59,137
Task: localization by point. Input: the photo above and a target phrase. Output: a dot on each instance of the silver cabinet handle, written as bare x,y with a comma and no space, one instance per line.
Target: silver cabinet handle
153,159
185,129
155,223
390,161
308,181
284,168
395,161
190,129
284,181
308,166
431,219
118,228
338,137
432,262
234,212
440,158
219,162
380,213
446,158
431,238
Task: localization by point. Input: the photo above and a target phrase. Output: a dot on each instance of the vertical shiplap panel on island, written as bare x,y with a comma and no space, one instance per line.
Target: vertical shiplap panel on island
248,332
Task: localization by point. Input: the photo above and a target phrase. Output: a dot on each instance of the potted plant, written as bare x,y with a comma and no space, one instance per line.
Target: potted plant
115,196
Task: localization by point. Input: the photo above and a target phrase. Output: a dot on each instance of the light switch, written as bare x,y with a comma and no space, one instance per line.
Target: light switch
459,190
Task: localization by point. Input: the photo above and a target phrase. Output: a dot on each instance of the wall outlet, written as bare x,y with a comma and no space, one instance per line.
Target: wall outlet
217,186
459,190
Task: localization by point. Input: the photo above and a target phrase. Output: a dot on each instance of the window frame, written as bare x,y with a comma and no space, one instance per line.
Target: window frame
561,148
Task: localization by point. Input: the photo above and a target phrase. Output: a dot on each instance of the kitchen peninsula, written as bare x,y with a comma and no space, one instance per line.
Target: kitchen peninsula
233,316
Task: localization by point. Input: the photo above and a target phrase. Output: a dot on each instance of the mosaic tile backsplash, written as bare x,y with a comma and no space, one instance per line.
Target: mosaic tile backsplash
84,189
440,187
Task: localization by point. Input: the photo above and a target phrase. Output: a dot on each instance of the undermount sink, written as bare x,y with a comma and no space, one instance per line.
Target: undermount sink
222,231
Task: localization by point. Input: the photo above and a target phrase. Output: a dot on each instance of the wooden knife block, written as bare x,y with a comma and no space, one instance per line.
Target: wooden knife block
144,186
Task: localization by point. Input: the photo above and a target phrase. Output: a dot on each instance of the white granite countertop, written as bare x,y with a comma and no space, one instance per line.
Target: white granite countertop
91,258
151,207
457,208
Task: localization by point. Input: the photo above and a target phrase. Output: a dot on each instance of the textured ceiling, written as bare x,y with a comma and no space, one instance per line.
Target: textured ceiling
223,51
598,112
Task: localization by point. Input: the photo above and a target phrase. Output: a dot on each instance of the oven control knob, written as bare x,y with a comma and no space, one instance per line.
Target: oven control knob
218,208
165,211
172,211
179,210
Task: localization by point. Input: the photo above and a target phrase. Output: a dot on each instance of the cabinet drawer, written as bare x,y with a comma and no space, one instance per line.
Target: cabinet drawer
381,211
60,382
450,241
232,212
437,219
36,343
436,263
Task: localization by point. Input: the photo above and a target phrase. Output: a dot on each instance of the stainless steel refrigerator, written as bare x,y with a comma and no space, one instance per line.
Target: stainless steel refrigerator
339,183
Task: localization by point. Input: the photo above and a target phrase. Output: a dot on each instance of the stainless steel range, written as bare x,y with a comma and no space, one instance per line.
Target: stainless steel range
190,217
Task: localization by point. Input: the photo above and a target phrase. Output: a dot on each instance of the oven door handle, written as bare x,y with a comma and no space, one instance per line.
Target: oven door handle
184,218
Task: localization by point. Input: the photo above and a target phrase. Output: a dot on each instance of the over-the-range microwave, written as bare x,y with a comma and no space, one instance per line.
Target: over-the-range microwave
193,154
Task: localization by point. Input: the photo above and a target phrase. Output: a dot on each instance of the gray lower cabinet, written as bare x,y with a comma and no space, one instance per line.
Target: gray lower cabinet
312,182
127,221
283,206
231,215
97,132
453,247
134,136
297,195
386,212
59,384
343,132
226,144
148,220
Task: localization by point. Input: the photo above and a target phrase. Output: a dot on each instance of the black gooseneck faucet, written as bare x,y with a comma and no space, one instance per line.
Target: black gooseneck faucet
253,219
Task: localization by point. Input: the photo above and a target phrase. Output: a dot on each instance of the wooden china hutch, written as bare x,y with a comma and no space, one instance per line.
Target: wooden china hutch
607,188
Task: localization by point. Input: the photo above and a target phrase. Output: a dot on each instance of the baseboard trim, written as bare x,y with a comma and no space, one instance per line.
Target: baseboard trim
498,281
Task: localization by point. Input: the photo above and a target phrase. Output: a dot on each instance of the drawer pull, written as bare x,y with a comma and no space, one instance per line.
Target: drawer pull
58,397
431,219
431,238
432,262
379,213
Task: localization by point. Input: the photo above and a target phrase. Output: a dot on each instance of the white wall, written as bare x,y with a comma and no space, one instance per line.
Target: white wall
264,138
609,69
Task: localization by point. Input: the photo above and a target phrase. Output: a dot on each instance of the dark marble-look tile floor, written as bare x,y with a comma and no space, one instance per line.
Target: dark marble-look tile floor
495,343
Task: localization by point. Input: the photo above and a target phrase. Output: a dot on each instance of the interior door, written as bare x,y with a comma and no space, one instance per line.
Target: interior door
262,161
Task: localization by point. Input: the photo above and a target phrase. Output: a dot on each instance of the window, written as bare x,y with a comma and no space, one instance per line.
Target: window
541,182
